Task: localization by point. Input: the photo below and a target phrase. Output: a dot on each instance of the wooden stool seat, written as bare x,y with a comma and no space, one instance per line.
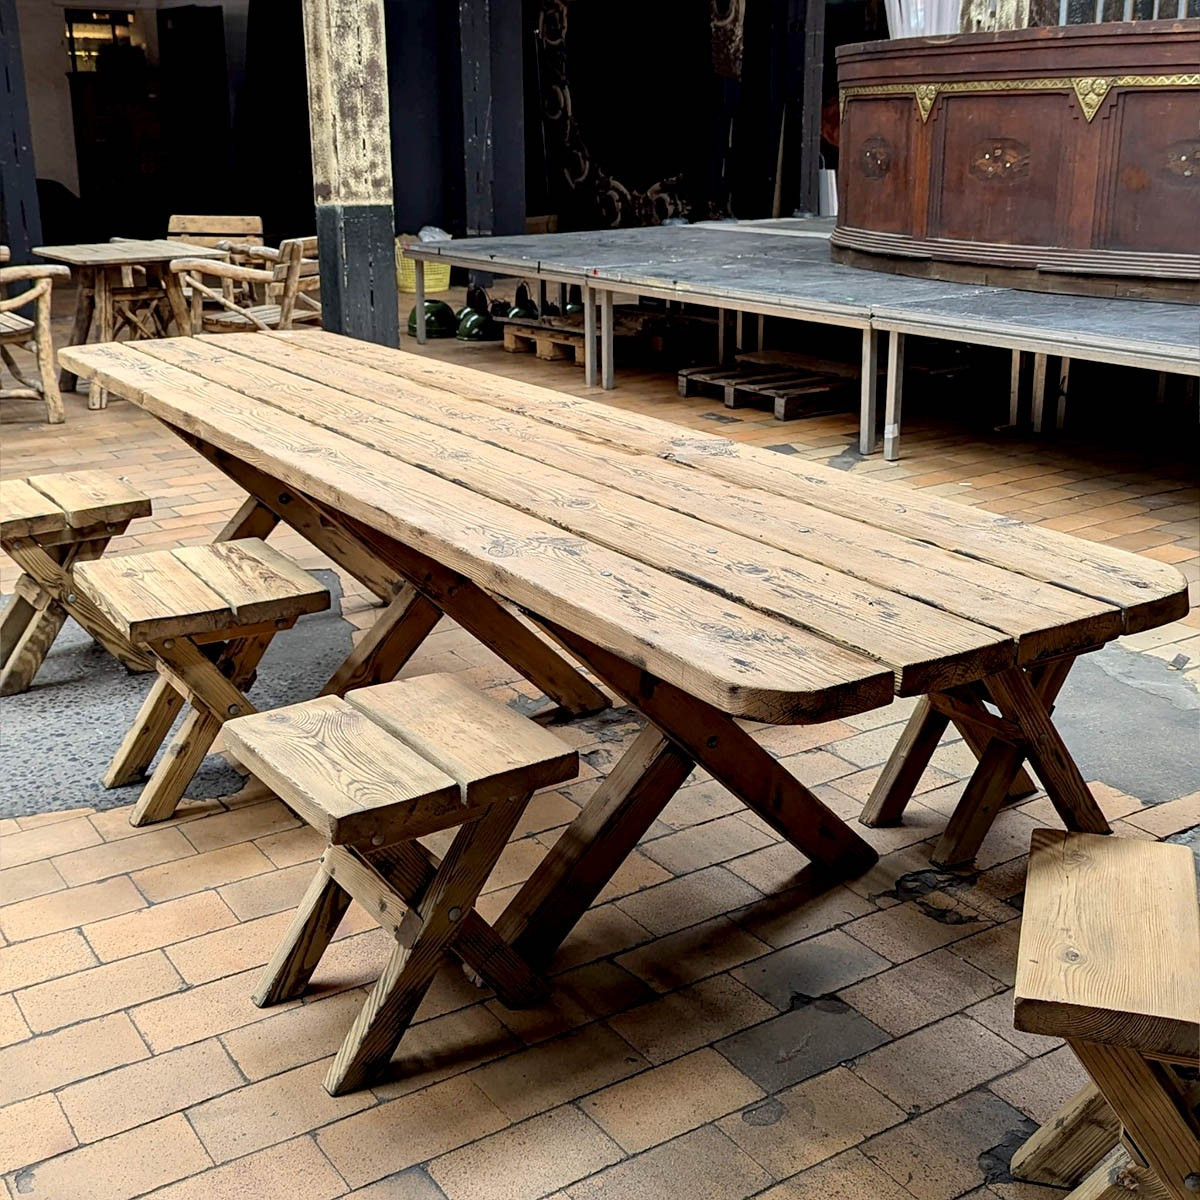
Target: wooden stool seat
1109,959
51,525
195,591
206,615
373,772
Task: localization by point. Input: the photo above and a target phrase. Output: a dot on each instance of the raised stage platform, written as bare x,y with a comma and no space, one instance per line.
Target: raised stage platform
783,268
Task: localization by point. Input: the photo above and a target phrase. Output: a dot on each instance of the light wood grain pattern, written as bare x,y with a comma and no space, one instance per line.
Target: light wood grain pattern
1118,1177
348,101
1071,1143
340,770
925,646
152,596
199,590
1148,593
210,230
493,752
1152,1111
255,580
26,512
92,497
1042,618
1110,926
683,634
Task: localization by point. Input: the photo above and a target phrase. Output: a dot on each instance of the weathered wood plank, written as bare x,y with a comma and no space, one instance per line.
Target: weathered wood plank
92,497
1149,593
1091,969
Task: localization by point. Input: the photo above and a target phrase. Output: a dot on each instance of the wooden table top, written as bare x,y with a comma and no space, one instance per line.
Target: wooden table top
770,587
125,253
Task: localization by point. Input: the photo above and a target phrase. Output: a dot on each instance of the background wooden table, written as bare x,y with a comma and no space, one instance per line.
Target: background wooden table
703,581
103,279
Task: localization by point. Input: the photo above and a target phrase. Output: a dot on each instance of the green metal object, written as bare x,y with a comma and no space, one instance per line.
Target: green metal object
440,320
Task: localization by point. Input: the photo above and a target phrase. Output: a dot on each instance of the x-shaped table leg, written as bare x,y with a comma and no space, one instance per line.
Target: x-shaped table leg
683,731
1025,730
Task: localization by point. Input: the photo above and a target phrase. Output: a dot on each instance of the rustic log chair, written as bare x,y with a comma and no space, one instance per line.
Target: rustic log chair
1110,941
290,278
32,335
373,772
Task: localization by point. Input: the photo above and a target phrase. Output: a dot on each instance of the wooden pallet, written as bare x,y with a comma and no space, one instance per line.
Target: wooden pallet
547,343
790,391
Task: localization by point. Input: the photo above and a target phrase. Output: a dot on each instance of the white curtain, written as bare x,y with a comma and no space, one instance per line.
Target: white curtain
922,18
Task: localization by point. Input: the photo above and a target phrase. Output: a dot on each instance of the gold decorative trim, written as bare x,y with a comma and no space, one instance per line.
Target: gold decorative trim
1090,91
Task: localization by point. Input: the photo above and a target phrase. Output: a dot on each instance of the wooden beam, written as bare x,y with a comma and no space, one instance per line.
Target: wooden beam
352,166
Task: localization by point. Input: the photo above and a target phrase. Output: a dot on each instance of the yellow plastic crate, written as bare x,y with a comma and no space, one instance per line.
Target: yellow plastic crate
437,275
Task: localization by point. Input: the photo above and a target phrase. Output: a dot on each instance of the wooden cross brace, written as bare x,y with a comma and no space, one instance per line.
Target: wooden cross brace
1023,730
427,906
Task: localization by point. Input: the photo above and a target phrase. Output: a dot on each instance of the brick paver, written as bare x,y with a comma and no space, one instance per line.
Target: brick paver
707,1034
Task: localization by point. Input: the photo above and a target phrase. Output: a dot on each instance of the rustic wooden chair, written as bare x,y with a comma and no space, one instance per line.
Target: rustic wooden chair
213,230
32,335
1109,959
373,772
290,276
205,615
49,524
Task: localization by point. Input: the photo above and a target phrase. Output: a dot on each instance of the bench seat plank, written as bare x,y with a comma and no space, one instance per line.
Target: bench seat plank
26,512
344,773
257,582
1149,593
492,751
741,661
153,596
1109,942
92,497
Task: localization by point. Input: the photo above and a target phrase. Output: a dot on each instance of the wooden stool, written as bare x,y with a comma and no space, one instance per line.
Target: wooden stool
206,614
1110,960
374,771
48,525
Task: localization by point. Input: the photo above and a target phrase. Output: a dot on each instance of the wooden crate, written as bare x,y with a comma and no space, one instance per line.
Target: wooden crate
792,391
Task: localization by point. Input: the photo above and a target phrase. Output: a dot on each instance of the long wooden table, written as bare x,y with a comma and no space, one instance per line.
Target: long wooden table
704,582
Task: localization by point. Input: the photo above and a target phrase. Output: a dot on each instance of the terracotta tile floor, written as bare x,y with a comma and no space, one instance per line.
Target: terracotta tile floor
133,1062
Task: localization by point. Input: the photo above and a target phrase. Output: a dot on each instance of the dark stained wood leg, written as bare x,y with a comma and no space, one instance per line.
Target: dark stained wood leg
1020,701
383,650
903,770
588,853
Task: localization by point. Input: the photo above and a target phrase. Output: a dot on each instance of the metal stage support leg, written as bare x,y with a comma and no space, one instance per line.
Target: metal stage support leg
606,339
589,337
894,396
868,380
419,298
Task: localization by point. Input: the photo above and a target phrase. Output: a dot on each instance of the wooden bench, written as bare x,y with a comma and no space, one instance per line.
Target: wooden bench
373,772
206,615
1109,959
48,525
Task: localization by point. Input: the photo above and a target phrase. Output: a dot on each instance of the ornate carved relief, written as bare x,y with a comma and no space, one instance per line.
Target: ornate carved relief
1000,160
876,158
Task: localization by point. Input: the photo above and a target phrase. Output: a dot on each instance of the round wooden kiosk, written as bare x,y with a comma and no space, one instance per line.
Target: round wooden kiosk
1064,159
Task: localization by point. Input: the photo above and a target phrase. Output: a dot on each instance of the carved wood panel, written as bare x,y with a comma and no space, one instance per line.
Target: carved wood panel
877,179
